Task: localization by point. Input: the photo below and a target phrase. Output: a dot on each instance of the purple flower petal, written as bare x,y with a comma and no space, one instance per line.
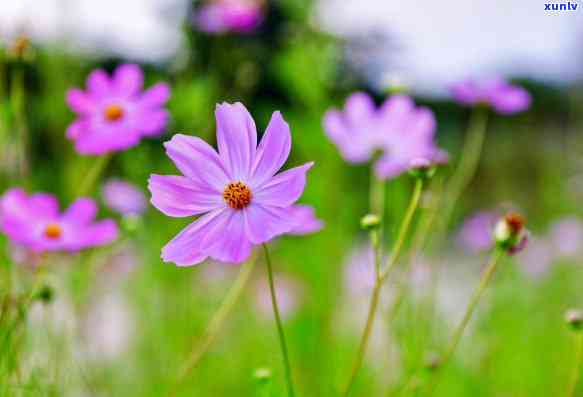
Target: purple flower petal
44,205
197,160
232,245
510,100
305,220
100,233
80,102
266,222
153,123
355,149
179,196
155,96
284,189
123,197
128,79
273,149
98,83
82,211
236,138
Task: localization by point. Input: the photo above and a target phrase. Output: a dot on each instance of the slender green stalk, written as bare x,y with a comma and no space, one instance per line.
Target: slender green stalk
380,277
376,195
576,373
466,168
93,175
202,344
459,331
286,364
17,96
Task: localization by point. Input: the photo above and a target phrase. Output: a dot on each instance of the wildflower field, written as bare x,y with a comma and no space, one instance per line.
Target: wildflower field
245,204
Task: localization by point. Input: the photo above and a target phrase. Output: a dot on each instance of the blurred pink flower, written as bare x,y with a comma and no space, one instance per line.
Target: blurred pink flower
475,234
238,16
402,132
114,114
35,222
306,220
536,259
123,197
497,93
240,199
288,292
567,237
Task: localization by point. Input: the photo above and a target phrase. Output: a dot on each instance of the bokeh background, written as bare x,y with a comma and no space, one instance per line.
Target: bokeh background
122,323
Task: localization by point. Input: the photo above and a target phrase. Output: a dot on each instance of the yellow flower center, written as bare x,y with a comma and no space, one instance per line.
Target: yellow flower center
113,112
237,195
53,231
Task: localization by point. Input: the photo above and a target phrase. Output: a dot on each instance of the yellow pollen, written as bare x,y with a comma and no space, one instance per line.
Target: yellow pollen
113,112
237,195
53,231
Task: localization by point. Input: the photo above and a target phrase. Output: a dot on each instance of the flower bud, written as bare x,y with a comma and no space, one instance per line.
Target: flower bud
421,168
45,294
370,222
262,375
510,233
574,317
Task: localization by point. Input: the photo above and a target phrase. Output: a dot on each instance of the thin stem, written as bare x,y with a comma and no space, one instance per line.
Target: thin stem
17,96
577,365
376,195
380,278
93,175
403,230
215,325
286,364
467,166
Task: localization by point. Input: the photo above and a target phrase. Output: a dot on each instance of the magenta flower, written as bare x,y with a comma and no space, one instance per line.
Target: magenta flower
399,131
221,16
123,197
475,234
241,200
114,114
306,221
497,93
35,222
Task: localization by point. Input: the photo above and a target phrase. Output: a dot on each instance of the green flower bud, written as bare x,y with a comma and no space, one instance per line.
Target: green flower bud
370,222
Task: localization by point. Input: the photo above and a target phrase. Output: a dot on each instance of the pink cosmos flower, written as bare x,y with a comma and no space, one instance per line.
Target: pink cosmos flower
238,16
400,131
475,234
497,93
35,222
114,114
306,220
241,200
123,197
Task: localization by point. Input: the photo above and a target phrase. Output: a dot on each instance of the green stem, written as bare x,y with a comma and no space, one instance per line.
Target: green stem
93,175
403,230
577,365
286,364
376,195
17,95
467,166
380,278
216,324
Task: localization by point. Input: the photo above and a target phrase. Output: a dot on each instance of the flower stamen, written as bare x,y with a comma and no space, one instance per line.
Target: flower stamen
237,195
53,231
113,112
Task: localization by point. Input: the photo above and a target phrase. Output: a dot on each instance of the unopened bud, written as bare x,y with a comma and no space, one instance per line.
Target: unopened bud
574,317
262,375
370,222
421,168
45,294
510,233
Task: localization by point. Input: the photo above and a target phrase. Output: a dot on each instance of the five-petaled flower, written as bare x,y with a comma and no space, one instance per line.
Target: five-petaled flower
398,130
237,193
496,93
114,113
35,222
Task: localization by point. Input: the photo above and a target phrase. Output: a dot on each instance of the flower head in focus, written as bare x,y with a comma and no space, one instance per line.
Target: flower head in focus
496,93
306,220
240,199
475,234
114,114
35,222
221,16
400,131
123,197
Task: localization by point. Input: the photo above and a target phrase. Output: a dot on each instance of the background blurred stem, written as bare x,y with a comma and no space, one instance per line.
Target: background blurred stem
577,364
459,331
376,195
286,364
466,168
380,277
202,344
93,175
17,97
